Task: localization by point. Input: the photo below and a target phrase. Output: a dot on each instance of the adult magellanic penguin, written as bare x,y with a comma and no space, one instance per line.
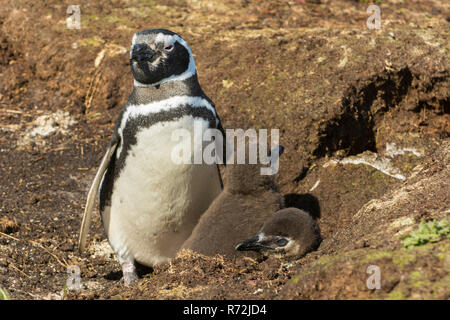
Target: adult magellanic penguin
149,204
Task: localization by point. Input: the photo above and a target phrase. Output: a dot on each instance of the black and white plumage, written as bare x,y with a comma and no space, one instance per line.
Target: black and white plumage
149,204
289,233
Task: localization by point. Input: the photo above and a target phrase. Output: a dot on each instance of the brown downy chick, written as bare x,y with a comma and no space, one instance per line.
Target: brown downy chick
247,201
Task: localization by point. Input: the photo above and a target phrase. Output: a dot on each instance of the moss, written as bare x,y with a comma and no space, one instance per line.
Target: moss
376,255
379,176
92,42
418,279
402,258
106,20
115,19
406,162
399,257
428,232
396,294
326,261
445,251
417,283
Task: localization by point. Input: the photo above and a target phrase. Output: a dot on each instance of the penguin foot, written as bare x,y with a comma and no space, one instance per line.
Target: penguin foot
129,273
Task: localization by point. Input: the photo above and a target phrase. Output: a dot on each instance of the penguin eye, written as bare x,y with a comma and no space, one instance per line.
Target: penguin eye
281,242
168,47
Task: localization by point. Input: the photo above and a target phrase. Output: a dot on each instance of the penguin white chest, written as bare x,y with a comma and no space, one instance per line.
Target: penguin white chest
155,201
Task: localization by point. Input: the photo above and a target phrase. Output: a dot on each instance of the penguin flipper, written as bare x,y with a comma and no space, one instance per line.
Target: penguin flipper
92,194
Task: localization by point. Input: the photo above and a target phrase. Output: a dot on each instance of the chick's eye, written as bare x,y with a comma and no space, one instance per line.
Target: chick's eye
281,242
168,47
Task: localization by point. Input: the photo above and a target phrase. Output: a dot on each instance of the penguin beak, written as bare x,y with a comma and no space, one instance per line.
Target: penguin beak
256,243
142,52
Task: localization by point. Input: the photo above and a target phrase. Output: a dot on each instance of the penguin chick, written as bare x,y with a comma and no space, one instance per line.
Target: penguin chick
290,233
247,201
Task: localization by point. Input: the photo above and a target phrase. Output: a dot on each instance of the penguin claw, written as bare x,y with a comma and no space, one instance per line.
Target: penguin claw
129,273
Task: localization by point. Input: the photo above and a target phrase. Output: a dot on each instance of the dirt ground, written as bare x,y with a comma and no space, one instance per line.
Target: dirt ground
364,116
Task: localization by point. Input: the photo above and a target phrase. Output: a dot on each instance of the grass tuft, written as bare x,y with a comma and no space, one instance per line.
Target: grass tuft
428,232
3,294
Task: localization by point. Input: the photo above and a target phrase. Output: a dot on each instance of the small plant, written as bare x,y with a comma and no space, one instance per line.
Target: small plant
431,231
3,294
64,292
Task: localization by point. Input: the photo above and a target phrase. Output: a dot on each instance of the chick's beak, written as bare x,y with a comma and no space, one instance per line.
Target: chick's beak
253,244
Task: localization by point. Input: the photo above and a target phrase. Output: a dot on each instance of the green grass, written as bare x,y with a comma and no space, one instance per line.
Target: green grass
3,294
431,231
64,292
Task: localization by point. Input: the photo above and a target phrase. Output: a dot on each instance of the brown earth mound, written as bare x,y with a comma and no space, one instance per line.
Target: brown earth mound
363,114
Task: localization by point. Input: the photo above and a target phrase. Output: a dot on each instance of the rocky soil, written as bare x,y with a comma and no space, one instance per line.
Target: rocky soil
364,116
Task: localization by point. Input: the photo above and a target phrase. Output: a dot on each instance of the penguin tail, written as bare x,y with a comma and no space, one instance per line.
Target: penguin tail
93,191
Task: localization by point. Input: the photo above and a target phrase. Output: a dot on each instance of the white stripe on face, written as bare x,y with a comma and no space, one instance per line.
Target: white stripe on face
133,42
166,38
170,40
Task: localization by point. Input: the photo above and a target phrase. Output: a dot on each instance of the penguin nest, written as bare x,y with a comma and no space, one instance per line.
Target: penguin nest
194,276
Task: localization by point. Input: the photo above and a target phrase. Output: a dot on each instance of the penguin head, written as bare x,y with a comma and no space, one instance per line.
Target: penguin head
158,56
289,233
246,178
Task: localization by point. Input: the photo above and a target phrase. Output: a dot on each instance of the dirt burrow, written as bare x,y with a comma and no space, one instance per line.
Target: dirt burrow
359,112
